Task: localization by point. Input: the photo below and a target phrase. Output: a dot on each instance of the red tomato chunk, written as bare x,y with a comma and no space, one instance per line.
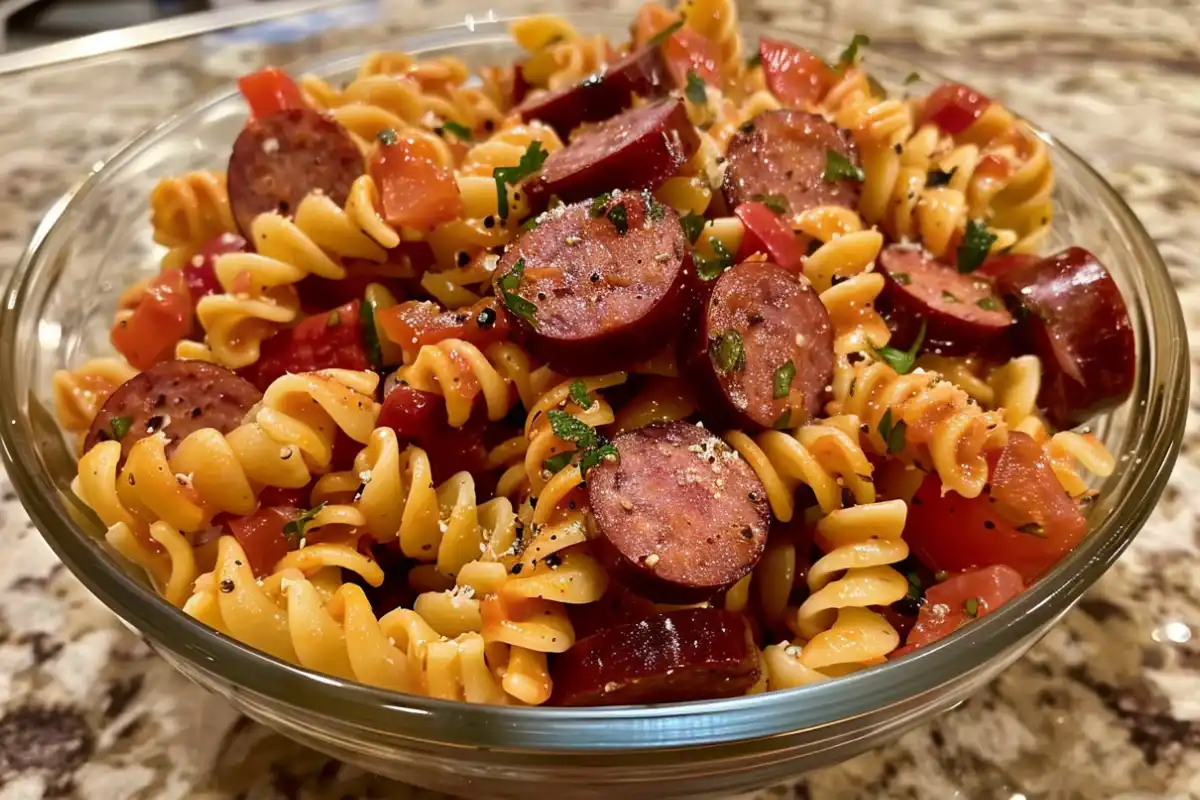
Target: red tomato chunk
270,90
1025,520
768,233
414,191
414,324
953,107
200,271
957,601
261,536
794,75
329,340
163,316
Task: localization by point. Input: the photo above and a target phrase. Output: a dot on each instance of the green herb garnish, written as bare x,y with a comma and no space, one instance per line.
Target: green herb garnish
334,319
912,78
120,427
513,301
783,421
915,587
892,434
939,177
1033,529
710,268
594,456
570,429
776,202
460,131
556,463
977,242
531,161
840,168
695,90
619,217
388,137
665,33
901,278
294,529
971,607
902,360
692,224
654,209
782,380
370,334
579,395
728,351
949,297
988,303
849,56
530,224
599,204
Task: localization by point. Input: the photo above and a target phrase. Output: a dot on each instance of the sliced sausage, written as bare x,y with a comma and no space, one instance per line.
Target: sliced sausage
601,283
782,155
962,312
638,149
1070,314
762,354
680,516
600,96
279,159
674,657
175,397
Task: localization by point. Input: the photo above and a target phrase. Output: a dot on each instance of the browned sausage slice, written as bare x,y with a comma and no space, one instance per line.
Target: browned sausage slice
598,284
674,657
962,313
1070,314
603,95
638,149
762,354
680,516
279,159
175,397
783,154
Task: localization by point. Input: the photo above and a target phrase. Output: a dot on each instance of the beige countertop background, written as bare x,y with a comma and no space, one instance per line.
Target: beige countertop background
1106,706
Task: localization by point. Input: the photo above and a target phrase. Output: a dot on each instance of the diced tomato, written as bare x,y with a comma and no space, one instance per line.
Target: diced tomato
414,190
1025,520
270,90
953,107
201,270
767,232
794,75
329,340
284,498
414,415
414,324
687,51
1002,265
163,316
261,536
344,451
957,601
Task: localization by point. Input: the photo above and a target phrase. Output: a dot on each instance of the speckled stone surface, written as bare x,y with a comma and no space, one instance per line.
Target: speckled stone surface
1107,705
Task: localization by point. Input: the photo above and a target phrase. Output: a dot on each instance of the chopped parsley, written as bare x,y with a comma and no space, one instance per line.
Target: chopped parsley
599,204
665,33
692,224
892,434
120,427
570,429
977,242
294,530
594,456
776,202
728,351
531,162
912,78
695,90
334,319
949,297
849,56
939,177
619,217
654,209
462,132
916,590
902,360
513,301
370,334
971,607
557,463
988,303
783,421
530,224
579,395
388,137
1033,529
901,278
754,61
782,379
709,268
840,168
592,448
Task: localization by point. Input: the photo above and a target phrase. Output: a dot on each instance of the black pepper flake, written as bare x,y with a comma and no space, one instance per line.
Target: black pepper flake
463,258
195,412
517,567
227,586
594,277
747,532
991,526
489,221
552,561
154,423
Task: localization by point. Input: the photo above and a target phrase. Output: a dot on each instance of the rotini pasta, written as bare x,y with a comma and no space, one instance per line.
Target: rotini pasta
191,209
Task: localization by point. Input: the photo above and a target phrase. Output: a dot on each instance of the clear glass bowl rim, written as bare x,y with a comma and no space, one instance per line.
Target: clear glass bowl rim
613,729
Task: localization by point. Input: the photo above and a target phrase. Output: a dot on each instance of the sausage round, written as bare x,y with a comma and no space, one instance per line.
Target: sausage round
176,398
598,97
605,282
762,354
638,149
680,516
279,159
1070,314
673,657
782,154
962,313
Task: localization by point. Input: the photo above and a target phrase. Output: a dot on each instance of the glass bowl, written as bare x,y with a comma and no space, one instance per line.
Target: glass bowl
96,240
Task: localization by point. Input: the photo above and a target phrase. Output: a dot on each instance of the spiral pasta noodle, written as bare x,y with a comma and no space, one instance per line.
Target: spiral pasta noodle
79,393
188,210
539,432
560,55
459,372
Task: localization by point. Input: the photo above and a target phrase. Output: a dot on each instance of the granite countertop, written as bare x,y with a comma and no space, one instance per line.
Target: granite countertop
1106,705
